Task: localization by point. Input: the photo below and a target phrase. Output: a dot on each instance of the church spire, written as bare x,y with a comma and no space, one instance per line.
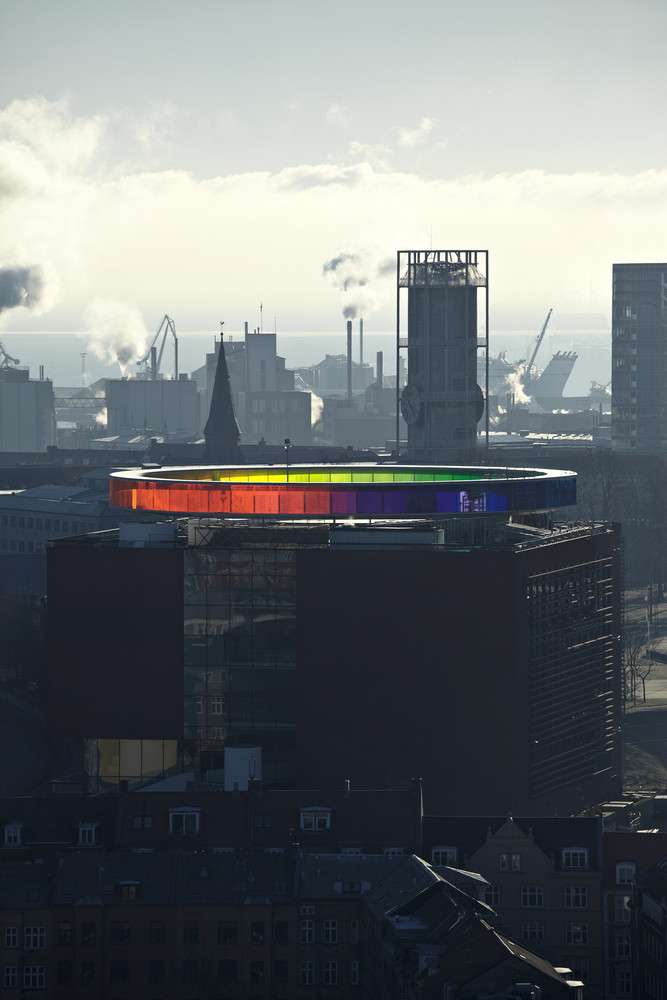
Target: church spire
222,432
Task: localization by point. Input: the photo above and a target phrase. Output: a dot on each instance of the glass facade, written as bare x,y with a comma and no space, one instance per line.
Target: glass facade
240,652
107,762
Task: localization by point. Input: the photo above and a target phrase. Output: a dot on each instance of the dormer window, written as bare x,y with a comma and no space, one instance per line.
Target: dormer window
129,891
184,821
441,856
575,858
13,834
315,819
625,872
87,834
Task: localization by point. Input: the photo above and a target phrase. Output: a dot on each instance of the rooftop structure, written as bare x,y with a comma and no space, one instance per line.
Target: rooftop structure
367,491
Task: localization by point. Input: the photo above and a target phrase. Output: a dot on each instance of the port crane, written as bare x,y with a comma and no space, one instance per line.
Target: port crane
538,344
153,358
5,357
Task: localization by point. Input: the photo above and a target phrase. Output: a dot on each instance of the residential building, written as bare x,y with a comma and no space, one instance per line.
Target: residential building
544,881
649,934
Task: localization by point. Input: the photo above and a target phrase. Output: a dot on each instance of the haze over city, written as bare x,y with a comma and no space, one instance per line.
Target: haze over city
211,162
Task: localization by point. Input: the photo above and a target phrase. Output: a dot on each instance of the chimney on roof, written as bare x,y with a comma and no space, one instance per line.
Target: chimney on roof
349,360
347,787
379,369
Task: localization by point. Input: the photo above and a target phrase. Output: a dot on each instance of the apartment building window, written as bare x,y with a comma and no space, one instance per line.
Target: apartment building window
576,897
533,931
307,931
532,896
87,973
330,931
330,977
257,932
87,834
492,895
215,704
626,872
120,932
315,820
574,858
183,822
624,982
156,932
64,973
354,852
228,970
354,973
34,938
281,971
65,933
622,944
88,933
191,932
281,932
13,834
393,852
11,937
621,909
257,974
142,822
442,857
354,931
307,973
190,972
156,972
10,977
509,862
34,977
576,934
228,933
128,892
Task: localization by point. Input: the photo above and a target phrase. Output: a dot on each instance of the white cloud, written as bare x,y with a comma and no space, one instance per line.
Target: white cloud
374,153
168,241
417,136
337,114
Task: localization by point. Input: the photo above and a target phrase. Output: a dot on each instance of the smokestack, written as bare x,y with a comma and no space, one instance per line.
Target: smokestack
361,341
41,373
379,369
245,329
349,360
153,362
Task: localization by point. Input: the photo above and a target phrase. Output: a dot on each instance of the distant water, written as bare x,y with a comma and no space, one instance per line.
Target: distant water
60,353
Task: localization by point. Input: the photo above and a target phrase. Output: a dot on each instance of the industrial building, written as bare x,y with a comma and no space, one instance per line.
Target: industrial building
639,357
442,402
27,412
156,406
276,612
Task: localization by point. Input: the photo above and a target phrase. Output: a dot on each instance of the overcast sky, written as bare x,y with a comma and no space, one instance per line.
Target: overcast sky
199,156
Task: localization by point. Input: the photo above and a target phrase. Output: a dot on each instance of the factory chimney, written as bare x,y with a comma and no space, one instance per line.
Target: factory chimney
349,360
379,369
361,341
153,362
222,432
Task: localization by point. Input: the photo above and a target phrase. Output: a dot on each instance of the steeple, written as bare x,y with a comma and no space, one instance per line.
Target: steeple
222,432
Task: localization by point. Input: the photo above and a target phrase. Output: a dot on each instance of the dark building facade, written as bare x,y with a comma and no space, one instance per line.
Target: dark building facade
639,357
485,659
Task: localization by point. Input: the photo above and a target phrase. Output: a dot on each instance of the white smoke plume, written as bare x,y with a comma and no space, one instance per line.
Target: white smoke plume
359,275
516,383
116,332
101,417
316,408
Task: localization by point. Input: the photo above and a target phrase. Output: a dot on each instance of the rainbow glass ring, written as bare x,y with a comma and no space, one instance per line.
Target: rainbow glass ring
334,491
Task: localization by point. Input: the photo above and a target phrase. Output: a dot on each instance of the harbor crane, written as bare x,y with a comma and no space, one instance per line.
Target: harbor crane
538,344
153,358
6,360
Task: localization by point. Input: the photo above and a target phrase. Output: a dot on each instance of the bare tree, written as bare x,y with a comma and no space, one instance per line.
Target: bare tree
644,668
633,645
